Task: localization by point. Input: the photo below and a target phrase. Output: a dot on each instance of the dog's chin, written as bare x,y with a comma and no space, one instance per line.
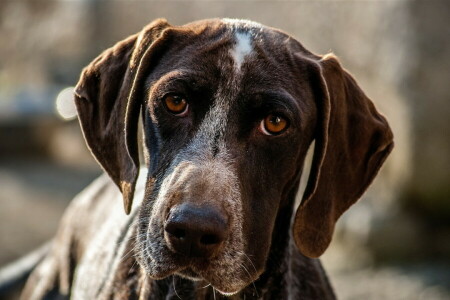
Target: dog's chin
190,274
227,288
221,285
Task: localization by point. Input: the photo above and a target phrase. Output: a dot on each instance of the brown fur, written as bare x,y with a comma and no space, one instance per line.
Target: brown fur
233,74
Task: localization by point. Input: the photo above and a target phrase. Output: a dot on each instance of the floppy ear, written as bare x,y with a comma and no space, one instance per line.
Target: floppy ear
109,96
351,143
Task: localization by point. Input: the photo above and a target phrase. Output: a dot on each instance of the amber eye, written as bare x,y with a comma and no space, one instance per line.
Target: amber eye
273,124
176,104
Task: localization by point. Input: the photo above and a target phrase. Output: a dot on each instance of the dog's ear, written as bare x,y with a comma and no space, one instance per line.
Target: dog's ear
108,98
352,140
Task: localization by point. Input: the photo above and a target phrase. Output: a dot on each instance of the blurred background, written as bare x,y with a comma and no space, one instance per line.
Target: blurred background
393,244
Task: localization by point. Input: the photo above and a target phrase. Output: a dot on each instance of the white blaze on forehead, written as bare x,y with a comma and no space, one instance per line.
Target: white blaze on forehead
244,32
240,23
242,48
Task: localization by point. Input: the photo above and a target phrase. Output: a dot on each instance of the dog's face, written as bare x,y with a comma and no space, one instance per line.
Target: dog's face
230,130
229,110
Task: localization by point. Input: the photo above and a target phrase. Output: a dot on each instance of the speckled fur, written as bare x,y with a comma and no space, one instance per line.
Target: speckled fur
233,74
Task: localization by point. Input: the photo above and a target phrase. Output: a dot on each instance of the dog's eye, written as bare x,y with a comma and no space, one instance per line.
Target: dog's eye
176,105
273,124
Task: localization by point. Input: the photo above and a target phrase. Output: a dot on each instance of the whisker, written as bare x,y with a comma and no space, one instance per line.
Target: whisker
173,282
126,255
251,263
250,277
133,236
132,266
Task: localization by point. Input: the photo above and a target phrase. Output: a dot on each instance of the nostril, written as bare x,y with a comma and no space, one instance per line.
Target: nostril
176,231
209,239
179,233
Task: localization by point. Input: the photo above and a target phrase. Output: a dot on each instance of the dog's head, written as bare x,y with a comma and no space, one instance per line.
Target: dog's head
229,110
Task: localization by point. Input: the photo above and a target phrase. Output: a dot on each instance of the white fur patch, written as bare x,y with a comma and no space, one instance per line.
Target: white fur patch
242,48
244,32
241,23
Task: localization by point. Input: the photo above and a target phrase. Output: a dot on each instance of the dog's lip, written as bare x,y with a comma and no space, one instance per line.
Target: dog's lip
182,266
189,273
196,269
198,272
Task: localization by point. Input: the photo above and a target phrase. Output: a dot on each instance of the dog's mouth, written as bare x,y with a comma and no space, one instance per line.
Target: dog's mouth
189,274
228,271
227,276
224,288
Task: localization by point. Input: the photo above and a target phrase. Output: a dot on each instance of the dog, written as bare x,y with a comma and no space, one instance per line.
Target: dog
229,109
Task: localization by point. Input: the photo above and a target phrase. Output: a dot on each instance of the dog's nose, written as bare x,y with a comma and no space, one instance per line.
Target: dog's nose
195,231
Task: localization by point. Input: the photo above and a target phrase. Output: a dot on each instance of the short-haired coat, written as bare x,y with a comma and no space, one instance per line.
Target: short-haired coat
229,110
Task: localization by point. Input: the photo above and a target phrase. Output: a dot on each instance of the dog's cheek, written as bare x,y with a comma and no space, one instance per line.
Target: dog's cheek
260,242
258,224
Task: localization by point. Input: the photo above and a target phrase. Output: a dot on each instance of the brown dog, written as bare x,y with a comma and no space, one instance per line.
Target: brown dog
229,110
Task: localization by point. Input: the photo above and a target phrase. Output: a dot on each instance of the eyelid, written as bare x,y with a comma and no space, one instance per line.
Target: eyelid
279,102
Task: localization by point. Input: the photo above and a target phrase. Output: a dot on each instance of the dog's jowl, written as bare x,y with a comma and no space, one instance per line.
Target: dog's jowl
229,109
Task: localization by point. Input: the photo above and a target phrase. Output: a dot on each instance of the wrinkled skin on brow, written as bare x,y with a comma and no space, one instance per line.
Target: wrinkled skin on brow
219,144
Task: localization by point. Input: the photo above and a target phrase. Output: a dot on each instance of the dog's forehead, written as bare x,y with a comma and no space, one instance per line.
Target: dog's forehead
229,49
241,35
